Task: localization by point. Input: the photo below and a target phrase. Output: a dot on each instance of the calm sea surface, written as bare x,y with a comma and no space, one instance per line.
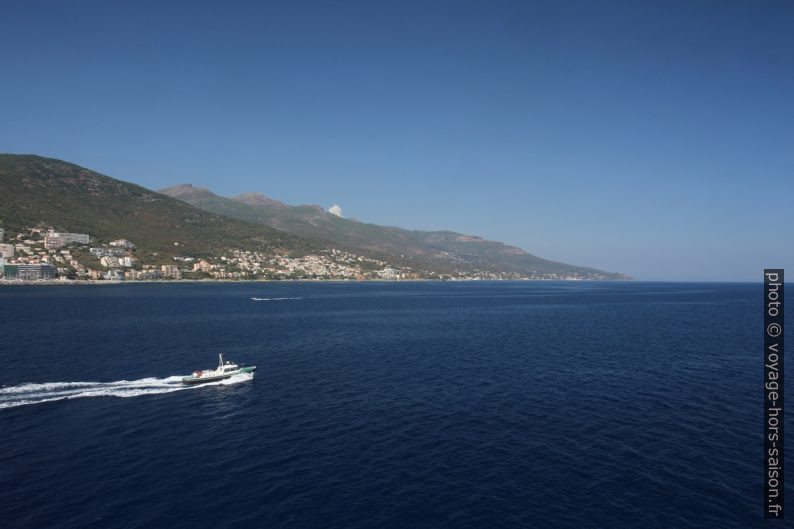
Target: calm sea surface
383,405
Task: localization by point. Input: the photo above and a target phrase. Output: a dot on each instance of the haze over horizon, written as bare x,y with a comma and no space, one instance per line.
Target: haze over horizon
652,139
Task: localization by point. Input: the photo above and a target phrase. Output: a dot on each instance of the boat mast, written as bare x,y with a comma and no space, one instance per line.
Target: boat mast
220,361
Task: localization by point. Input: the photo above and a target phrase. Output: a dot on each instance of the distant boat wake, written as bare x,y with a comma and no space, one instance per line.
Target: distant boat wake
272,299
26,394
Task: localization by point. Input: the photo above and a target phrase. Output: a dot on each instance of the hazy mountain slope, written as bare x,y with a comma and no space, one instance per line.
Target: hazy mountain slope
44,191
433,249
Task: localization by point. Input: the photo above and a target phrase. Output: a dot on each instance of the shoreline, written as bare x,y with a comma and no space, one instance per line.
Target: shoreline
95,282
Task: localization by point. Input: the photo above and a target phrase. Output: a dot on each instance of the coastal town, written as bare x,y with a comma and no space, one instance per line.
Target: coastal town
42,254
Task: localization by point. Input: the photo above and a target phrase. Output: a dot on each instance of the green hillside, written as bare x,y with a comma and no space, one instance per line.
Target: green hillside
37,191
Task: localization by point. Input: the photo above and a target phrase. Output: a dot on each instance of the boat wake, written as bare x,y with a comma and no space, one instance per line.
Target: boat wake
272,299
26,394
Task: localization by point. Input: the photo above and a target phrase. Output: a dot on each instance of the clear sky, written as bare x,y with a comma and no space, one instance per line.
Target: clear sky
652,138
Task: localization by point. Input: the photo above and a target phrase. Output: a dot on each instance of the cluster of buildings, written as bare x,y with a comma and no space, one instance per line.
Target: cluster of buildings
47,255
145,273
329,264
36,268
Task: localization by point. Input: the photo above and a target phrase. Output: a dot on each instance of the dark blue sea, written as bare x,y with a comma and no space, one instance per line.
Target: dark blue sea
383,405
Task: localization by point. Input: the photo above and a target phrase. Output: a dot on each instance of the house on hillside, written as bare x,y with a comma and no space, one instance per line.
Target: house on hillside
123,243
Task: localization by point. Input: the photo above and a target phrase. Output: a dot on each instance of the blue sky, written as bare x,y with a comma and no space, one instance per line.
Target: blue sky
655,139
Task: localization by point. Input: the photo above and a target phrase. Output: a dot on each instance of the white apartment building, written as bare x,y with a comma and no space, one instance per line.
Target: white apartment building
127,262
56,240
123,243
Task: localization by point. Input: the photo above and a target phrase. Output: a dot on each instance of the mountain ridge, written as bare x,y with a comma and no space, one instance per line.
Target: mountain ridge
193,221
421,247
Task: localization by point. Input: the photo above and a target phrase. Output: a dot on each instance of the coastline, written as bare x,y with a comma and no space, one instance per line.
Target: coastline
95,282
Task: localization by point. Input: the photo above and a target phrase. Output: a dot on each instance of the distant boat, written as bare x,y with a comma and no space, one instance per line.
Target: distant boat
224,370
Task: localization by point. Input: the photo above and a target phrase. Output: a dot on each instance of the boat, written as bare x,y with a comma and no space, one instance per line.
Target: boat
224,370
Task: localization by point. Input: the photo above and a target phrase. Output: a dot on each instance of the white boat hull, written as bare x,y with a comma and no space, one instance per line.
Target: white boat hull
202,379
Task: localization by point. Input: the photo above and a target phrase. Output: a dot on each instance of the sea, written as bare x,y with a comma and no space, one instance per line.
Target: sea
383,405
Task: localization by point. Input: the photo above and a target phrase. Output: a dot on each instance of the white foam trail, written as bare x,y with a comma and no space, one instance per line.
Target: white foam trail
25,394
271,299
